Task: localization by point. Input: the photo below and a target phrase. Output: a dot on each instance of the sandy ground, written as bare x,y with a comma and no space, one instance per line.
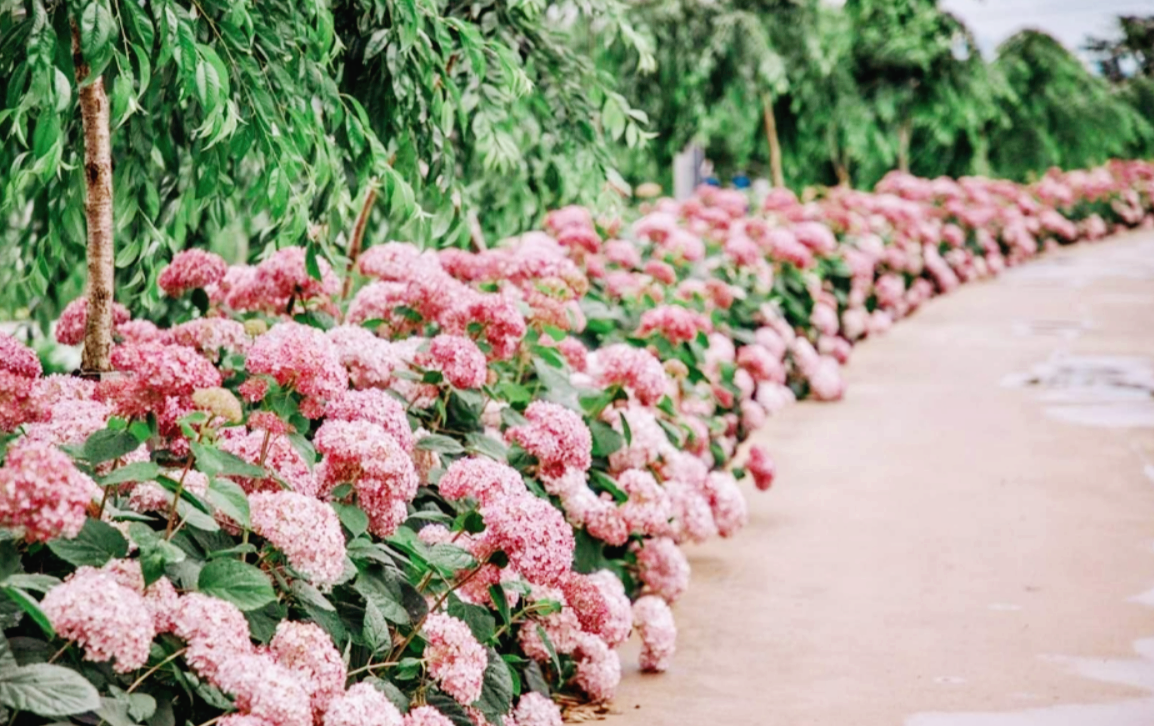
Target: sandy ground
944,541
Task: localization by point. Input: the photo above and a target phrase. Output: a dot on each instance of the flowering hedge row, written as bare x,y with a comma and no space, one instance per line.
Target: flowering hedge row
447,487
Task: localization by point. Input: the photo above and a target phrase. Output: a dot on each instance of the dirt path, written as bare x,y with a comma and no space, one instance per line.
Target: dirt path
942,540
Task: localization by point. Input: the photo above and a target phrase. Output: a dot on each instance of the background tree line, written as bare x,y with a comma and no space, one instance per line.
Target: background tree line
243,126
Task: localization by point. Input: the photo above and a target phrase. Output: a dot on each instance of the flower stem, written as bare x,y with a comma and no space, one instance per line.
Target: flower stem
155,668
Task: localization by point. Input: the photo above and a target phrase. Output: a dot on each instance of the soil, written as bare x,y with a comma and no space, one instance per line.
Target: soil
963,541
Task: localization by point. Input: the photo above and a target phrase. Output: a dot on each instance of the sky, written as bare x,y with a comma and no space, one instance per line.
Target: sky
1070,21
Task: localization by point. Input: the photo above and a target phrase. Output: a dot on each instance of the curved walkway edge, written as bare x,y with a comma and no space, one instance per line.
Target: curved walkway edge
970,530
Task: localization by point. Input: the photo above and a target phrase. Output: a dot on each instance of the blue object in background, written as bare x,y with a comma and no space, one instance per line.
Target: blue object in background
741,181
712,181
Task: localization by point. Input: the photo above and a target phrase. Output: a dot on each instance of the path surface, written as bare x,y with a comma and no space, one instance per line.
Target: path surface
942,541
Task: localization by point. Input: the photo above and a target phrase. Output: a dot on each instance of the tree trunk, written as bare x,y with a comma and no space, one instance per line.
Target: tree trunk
357,241
835,158
778,177
904,133
97,213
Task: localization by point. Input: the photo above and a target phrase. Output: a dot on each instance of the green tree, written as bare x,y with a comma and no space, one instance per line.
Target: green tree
1058,113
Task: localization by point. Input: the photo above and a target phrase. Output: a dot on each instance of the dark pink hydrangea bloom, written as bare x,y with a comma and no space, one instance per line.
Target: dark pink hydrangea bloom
300,357
761,467
502,323
19,369
43,492
676,323
584,595
556,436
458,358
635,368
663,567
191,269
281,278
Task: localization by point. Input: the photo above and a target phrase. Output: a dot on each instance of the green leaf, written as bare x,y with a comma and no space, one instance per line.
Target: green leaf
440,444
34,582
353,518
241,584
97,543
394,694
156,553
215,462
108,444
450,557
139,471
32,608
97,30
606,440
497,690
229,498
549,648
376,628
47,690
306,593
478,618
602,482
500,602
372,586
625,430
479,443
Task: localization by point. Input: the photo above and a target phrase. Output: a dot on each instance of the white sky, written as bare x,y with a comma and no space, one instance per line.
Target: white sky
1070,21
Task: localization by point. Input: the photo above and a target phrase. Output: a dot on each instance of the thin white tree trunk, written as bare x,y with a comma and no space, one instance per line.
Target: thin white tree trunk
97,213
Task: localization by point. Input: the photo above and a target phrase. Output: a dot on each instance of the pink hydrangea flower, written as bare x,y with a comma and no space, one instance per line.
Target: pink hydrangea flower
618,622
266,689
159,379
151,497
356,450
216,632
454,657
370,360
73,319
761,467
598,668
274,453
647,510
587,600
362,705
533,533
556,436
502,323
43,492
654,622
191,269
212,336
374,406
305,529
282,278
533,709
727,503
426,716
663,567
692,517
458,358
308,650
482,479
107,619
636,368
301,357
676,323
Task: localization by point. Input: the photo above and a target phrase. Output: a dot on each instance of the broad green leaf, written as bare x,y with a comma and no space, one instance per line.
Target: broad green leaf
229,498
47,690
215,462
97,543
440,444
241,584
31,607
108,444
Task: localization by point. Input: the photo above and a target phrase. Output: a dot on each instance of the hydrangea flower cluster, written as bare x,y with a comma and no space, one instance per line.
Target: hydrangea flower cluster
290,492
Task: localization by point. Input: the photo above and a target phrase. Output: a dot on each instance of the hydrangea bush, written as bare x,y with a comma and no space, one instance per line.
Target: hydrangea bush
449,498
